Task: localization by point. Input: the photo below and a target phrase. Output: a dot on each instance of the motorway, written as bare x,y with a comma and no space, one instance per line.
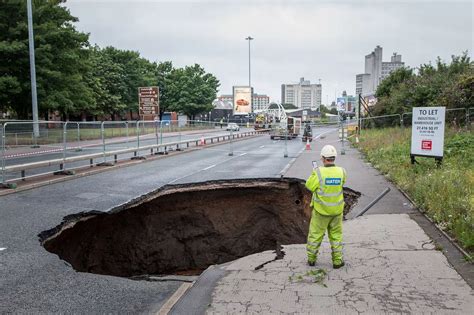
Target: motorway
33,280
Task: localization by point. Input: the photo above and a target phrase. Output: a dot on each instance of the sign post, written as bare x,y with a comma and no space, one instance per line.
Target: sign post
149,102
427,133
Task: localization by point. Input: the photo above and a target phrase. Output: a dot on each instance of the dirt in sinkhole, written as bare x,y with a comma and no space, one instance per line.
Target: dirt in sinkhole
182,229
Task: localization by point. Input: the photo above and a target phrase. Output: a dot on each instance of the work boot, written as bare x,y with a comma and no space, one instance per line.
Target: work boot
311,263
338,265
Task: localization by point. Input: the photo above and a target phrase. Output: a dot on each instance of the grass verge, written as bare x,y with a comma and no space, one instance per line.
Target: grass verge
445,192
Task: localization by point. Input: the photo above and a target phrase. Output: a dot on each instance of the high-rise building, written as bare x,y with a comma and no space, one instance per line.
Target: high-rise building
375,71
303,94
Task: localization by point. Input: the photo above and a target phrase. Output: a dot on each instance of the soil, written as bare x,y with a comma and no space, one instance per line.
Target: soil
182,229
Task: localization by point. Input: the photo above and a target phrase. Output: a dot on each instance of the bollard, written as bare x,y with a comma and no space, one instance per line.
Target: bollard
285,153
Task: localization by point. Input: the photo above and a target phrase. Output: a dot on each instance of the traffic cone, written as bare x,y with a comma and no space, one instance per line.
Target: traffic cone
308,145
202,142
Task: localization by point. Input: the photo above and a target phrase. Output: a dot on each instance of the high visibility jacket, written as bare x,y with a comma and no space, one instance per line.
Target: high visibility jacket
326,185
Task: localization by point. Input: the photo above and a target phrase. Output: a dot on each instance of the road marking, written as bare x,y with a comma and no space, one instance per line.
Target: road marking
209,167
262,146
243,154
2,248
166,308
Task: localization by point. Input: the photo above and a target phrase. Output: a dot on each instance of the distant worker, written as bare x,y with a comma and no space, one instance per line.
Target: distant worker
221,122
327,207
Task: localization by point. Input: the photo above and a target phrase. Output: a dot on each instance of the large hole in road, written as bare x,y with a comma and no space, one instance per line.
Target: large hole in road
182,229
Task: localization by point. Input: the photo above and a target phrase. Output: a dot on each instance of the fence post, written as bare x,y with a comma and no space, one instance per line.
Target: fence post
3,154
102,133
78,138
285,153
231,136
64,146
467,117
178,148
137,153
126,131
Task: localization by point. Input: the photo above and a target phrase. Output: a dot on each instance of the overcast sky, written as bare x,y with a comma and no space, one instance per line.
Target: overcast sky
324,40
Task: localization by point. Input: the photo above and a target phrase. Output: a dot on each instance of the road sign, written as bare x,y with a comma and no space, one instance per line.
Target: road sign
149,100
427,132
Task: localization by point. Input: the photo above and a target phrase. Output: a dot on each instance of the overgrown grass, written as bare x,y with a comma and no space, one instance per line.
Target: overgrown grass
445,192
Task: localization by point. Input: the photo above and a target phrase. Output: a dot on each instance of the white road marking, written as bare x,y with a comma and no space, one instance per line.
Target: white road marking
262,146
2,248
209,167
243,154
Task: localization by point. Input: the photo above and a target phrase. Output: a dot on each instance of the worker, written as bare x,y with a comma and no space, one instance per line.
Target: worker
327,207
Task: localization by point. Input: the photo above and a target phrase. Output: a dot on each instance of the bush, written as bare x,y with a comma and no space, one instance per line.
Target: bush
445,192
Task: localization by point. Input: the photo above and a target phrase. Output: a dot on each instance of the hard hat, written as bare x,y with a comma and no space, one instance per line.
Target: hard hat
328,151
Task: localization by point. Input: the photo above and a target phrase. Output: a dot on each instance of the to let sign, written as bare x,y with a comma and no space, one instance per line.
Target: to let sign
427,132
148,100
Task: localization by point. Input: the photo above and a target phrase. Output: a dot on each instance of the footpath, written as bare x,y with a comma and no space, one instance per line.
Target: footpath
396,262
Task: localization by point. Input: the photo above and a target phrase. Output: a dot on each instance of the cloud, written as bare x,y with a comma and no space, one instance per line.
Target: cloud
324,40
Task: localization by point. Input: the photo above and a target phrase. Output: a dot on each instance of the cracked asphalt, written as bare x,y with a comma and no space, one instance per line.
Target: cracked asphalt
396,262
35,281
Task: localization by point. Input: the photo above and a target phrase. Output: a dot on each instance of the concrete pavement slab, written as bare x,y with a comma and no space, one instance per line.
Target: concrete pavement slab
391,267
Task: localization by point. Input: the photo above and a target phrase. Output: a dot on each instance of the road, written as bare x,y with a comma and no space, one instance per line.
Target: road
55,151
33,280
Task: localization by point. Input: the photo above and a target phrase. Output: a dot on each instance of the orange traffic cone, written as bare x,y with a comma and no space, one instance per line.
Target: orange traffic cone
202,142
308,145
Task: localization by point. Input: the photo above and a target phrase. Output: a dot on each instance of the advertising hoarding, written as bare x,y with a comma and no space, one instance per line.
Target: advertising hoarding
242,100
341,104
148,102
427,132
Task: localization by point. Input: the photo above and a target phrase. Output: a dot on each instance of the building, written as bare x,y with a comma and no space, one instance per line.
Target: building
303,95
375,71
259,101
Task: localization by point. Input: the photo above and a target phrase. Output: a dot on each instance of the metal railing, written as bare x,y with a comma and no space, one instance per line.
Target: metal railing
456,117
62,147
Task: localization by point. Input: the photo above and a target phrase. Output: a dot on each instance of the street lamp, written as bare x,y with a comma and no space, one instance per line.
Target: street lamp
249,38
31,45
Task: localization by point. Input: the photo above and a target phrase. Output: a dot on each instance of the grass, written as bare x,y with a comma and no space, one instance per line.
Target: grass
445,192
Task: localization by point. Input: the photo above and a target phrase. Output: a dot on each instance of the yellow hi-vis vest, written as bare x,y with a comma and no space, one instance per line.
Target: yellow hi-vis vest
326,185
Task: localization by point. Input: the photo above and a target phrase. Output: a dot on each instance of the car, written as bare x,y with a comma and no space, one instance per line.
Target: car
232,127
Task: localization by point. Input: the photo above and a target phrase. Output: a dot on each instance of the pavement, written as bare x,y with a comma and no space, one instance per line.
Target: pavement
33,280
396,262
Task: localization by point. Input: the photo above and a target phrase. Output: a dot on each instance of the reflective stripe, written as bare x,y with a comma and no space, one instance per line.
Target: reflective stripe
337,250
314,244
329,195
320,178
312,251
337,243
328,204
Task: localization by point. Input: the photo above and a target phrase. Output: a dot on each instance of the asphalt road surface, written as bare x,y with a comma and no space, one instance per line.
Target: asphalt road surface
33,280
55,151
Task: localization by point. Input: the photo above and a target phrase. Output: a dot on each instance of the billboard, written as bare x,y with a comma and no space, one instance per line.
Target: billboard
242,100
341,104
427,132
148,102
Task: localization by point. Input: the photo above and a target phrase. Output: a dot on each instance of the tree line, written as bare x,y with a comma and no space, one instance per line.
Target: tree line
439,84
80,80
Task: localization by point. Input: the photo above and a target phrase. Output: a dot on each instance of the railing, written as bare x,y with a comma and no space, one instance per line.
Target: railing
456,117
68,143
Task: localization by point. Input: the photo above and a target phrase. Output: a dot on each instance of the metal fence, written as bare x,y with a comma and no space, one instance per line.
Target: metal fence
455,117
62,147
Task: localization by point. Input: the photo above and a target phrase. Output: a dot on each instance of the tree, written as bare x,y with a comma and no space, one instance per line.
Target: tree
190,90
60,58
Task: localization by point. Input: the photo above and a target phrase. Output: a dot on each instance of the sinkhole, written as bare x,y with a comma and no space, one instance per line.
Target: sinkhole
183,229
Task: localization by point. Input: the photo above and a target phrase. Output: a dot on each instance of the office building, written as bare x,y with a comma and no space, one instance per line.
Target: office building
303,95
375,71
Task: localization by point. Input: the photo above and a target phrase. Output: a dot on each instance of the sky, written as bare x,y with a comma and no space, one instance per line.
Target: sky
317,40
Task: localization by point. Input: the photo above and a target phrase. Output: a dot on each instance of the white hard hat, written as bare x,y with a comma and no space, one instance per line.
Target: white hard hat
328,151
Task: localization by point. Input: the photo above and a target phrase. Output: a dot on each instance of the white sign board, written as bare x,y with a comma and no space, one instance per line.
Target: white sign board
427,132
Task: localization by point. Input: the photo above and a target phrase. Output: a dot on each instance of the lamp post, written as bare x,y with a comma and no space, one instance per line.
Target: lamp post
31,45
249,38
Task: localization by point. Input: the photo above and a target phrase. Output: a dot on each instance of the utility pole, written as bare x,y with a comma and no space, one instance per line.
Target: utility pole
249,38
31,44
